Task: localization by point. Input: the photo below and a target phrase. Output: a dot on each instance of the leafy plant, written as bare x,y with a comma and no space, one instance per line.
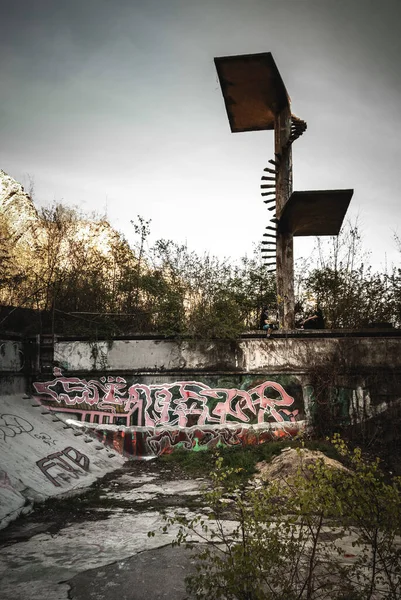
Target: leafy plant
285,541
340,280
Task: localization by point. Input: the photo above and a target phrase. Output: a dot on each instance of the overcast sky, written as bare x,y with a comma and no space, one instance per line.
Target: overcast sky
115,105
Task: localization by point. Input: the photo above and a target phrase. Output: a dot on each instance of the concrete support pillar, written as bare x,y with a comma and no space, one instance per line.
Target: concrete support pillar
285,252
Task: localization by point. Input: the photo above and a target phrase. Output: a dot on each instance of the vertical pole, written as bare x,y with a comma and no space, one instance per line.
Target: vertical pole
285,251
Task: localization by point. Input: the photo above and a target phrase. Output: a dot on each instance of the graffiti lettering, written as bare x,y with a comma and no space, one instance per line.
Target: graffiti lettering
45,437
181,404
12,425
77,457
61,469
143,441
105,393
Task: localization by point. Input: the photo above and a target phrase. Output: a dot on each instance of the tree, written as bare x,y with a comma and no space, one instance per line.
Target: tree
87,279
344,286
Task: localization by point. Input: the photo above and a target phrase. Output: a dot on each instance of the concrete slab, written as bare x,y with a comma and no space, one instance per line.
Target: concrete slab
103,551
41,457
50,560
39,556
148,491
150,575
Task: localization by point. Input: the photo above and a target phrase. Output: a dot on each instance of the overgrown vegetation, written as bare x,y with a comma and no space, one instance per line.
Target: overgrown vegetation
286,540
241,460
345,287
83,277
71,274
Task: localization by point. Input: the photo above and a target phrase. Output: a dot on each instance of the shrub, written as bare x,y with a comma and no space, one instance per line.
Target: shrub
275,544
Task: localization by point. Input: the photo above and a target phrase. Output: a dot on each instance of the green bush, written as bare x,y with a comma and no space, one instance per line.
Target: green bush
284,540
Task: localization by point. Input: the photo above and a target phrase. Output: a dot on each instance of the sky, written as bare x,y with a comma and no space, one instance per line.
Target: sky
115,106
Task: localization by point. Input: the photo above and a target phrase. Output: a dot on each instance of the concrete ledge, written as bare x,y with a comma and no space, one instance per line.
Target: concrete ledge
257,333
280,353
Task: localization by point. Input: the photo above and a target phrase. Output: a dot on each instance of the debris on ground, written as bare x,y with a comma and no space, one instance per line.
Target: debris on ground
286,465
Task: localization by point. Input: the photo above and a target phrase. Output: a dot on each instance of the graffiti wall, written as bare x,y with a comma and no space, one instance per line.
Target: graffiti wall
151,418
140,442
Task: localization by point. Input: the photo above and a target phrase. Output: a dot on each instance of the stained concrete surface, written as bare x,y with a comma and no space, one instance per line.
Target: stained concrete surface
97,546
41,456
150,575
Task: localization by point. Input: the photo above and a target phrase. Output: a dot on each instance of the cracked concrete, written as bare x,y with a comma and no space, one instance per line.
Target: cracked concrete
149,491
129,579
113,546
48,559
97,546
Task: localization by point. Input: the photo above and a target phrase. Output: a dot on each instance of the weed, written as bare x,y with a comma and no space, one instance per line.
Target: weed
241,459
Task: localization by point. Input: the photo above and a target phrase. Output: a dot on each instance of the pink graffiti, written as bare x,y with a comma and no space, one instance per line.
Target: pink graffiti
79,391
181,403
158,442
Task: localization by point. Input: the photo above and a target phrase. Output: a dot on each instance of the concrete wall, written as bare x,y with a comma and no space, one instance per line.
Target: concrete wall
146,355
147,396
143,397
14,365
158,394
12,355
276,354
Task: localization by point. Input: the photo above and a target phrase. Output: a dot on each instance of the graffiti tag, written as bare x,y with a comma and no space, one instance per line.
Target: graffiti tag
57,468
144,441
12,425
45,437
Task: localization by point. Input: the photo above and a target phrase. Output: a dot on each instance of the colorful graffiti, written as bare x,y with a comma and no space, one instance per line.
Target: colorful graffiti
178,404
62,470
140,441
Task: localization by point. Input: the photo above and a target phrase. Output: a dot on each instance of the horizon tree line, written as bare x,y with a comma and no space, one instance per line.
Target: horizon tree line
84,278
